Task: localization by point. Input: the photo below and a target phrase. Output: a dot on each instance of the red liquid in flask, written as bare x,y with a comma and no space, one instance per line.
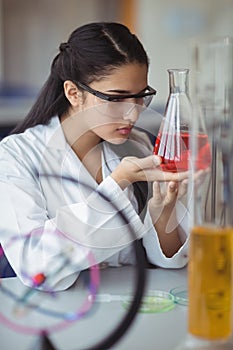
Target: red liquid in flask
175,154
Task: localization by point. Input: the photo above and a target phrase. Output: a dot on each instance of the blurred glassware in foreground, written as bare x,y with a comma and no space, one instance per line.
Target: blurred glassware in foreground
211,204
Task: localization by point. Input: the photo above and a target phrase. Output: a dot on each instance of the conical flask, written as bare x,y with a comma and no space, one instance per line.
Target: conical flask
173,141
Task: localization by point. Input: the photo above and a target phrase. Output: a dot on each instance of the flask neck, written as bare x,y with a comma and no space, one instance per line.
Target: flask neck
178,80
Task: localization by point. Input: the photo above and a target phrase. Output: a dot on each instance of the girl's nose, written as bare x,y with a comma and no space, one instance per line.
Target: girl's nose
132,113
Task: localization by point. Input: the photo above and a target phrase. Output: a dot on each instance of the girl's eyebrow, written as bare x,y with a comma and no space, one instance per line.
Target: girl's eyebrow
126,91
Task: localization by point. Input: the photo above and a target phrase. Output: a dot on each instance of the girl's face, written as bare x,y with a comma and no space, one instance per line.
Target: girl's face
113,121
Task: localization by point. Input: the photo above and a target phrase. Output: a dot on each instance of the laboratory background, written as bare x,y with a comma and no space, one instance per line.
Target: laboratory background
30,33
176,34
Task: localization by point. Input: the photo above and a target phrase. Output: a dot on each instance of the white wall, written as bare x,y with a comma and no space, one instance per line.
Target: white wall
169,29
33,31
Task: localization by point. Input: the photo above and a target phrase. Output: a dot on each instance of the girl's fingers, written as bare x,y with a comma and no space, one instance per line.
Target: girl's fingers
175,177
148,169
157,174
157,196
171,194
149,162
163,199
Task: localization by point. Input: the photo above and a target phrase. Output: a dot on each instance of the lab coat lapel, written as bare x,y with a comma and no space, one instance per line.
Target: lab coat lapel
61,172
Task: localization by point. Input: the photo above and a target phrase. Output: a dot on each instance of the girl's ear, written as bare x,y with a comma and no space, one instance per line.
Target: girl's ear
72,93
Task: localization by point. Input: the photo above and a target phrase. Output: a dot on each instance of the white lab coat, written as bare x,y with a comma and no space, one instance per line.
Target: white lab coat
60,227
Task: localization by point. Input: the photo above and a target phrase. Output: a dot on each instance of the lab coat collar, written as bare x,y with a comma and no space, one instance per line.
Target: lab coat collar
54,136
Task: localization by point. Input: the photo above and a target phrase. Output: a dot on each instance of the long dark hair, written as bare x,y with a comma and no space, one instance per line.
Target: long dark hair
91,52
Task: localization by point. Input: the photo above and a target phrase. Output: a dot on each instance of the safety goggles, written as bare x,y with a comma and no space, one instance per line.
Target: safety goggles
143,99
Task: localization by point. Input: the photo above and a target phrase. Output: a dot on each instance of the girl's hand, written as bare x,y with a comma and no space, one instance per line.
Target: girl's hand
162,208
164,198
132,169
166,194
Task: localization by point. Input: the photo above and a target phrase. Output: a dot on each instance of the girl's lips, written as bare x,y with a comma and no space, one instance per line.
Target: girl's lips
124,130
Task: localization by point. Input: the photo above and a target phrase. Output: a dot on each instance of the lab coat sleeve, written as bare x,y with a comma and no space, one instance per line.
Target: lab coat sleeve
105,223
34,243
30,240
152,246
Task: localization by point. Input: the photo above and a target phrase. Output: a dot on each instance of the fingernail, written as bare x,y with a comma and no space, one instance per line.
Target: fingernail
172,187
157,160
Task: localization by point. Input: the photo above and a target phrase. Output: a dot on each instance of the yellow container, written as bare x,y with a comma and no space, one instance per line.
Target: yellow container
210,282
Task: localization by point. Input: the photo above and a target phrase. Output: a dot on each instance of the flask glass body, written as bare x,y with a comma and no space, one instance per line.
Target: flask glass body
173,140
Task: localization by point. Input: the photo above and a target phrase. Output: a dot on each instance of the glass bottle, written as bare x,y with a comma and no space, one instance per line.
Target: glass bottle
173,141
211,239
210,269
